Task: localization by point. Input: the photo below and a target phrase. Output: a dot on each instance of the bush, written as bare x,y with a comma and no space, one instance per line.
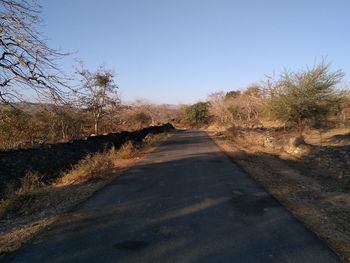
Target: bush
244,107
303,96
197,113
139,119
92,167
13,128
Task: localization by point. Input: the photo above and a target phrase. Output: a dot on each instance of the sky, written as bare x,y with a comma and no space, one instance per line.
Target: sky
179,51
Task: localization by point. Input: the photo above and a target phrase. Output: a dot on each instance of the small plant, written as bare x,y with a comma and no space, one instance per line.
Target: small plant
92,167
127,150
30,182
15,198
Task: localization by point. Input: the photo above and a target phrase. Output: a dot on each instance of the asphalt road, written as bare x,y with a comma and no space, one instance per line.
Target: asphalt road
186,202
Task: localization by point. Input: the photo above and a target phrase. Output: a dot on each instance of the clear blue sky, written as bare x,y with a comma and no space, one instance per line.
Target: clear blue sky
181,50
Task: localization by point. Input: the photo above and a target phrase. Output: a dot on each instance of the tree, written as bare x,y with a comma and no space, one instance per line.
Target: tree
305,95
253,90
25,59
197,113
232,94
150,109
219,108
245,105
98,93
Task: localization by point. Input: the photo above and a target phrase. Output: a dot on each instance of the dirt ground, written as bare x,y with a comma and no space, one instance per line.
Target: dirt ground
311,179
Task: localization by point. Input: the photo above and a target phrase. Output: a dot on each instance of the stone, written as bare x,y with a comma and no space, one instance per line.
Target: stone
296,146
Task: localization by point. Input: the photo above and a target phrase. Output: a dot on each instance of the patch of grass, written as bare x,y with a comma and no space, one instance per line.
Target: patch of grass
127,150
132,149
153,140
31,182
91,168
15,198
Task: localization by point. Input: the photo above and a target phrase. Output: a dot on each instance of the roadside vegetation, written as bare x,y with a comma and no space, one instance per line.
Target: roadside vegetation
292,134
36,205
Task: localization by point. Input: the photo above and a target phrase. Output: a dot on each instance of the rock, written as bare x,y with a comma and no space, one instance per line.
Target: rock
296,146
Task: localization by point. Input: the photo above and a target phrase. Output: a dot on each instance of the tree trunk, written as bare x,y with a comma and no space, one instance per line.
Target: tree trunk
300,126
63,130
96,127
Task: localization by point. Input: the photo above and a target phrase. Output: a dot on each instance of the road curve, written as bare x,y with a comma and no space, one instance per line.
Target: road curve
185,202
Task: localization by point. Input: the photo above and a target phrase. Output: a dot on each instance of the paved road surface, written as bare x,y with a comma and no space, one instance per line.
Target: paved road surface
186,202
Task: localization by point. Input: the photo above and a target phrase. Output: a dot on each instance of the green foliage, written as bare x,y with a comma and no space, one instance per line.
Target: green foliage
197,113
98,93
305,95
253,90
232,94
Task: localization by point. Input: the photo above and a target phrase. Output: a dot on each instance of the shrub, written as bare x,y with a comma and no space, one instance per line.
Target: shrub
13,128
139,119
306,95
197,113
92,167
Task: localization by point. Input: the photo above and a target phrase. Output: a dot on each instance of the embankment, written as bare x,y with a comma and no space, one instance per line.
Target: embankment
51,159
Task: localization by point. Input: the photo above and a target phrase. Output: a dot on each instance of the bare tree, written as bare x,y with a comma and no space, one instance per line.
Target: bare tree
25,59
219,107
143,105
245,105
98,93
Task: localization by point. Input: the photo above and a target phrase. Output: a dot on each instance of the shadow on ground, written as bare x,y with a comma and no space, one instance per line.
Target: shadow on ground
187,202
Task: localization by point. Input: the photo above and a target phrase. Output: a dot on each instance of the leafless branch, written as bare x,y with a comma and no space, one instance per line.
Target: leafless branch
26,61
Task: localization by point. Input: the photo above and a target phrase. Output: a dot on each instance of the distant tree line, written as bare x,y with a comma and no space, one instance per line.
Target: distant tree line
304,98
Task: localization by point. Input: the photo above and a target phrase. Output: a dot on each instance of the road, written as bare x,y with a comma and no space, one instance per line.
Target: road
185,202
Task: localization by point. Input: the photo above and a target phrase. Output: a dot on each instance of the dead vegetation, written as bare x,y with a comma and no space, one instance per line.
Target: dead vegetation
311,178
34,206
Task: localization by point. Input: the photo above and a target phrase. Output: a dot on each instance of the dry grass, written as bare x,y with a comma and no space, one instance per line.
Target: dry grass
93,167
30,183
34,206
127,150
308,190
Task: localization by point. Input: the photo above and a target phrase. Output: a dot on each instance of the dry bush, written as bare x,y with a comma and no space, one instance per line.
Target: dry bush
15,198
127,150
31,182
38,124
92,167
13,128
152,140
219,108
